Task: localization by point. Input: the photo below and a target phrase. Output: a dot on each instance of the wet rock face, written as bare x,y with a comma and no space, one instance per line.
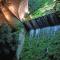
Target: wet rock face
8,43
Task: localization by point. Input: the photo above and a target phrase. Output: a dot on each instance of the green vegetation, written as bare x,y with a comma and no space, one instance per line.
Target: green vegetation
8,42
46,47
34,5
41,8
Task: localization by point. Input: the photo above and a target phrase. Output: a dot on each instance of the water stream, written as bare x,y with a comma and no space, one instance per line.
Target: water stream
20,43
39,32
46,34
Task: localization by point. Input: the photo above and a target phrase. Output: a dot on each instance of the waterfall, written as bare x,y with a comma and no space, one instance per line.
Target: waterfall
48,32
49,20
45,35
31,33
20,43
36,33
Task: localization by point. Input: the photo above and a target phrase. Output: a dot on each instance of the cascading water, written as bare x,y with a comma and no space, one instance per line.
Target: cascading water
48,30
46,34
20,43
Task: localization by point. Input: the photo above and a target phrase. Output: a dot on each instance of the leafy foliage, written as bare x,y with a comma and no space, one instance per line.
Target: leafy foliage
42,7
8,43
34,5
46,47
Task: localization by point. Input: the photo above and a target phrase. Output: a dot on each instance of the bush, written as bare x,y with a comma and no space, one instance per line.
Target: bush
8,43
